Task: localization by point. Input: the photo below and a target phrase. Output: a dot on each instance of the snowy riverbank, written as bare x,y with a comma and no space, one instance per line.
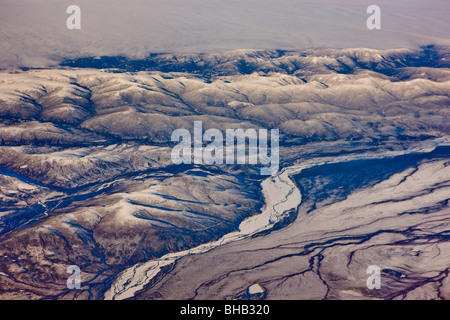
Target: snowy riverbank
281,195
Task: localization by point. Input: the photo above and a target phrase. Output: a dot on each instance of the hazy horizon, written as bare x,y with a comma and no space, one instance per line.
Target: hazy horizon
34,33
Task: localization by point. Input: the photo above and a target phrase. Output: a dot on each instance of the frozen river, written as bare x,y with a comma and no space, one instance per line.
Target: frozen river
281,195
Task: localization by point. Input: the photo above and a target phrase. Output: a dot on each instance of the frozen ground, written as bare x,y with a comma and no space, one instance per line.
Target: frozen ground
86,176
399,224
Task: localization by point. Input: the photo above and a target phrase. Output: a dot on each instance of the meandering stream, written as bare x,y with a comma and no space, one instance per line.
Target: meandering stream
281,195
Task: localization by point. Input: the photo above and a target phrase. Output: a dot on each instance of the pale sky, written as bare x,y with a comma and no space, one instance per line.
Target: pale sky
33,33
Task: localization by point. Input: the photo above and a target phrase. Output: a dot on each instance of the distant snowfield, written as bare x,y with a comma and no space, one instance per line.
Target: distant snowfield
33,33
